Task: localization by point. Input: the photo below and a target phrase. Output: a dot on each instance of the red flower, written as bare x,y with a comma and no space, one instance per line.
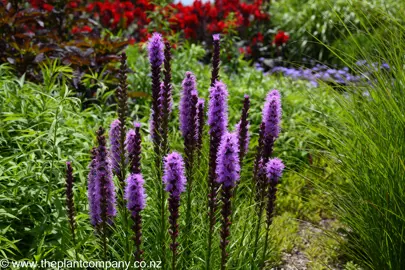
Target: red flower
73,4
281,38
83,29
86,29
47,7
75,30
131,40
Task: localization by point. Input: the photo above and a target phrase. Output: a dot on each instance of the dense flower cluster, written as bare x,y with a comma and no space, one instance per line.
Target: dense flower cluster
202,18
118,14
196,21
323,73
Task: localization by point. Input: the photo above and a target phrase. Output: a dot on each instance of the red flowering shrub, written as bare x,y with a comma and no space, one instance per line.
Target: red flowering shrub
116,15
70,30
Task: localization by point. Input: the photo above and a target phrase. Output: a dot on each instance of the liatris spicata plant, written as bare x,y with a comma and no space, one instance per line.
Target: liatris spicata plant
92,188
200,122
189,130
188,116
175,183
70,205
136,201
122,103
217,122
156,57
133,147
228,171
215,59
104,209
115,135
242,129
166,97
271,119
274,170
269,132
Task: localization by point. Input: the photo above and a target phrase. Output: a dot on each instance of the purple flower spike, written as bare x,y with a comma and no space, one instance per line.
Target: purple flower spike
188,107
272,114
243,141
174,177
200,122
218,109
228,167
104,185
155,49
242,129
274,170
115,135
156,56
133,145
136,201
215,59
135,193
93,189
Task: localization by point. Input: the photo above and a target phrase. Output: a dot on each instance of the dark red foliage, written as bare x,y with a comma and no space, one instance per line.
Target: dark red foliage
54,30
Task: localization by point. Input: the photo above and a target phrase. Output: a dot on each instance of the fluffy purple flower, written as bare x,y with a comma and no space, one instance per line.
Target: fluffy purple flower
155,49
135,193
218,109
272,114
174,177
228,167
115,135
274,170
187,106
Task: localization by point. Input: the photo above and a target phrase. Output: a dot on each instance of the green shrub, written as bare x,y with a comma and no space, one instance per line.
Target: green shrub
312,24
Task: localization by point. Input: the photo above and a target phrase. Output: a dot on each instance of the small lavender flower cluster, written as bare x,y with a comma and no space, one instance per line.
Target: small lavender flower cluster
323,73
